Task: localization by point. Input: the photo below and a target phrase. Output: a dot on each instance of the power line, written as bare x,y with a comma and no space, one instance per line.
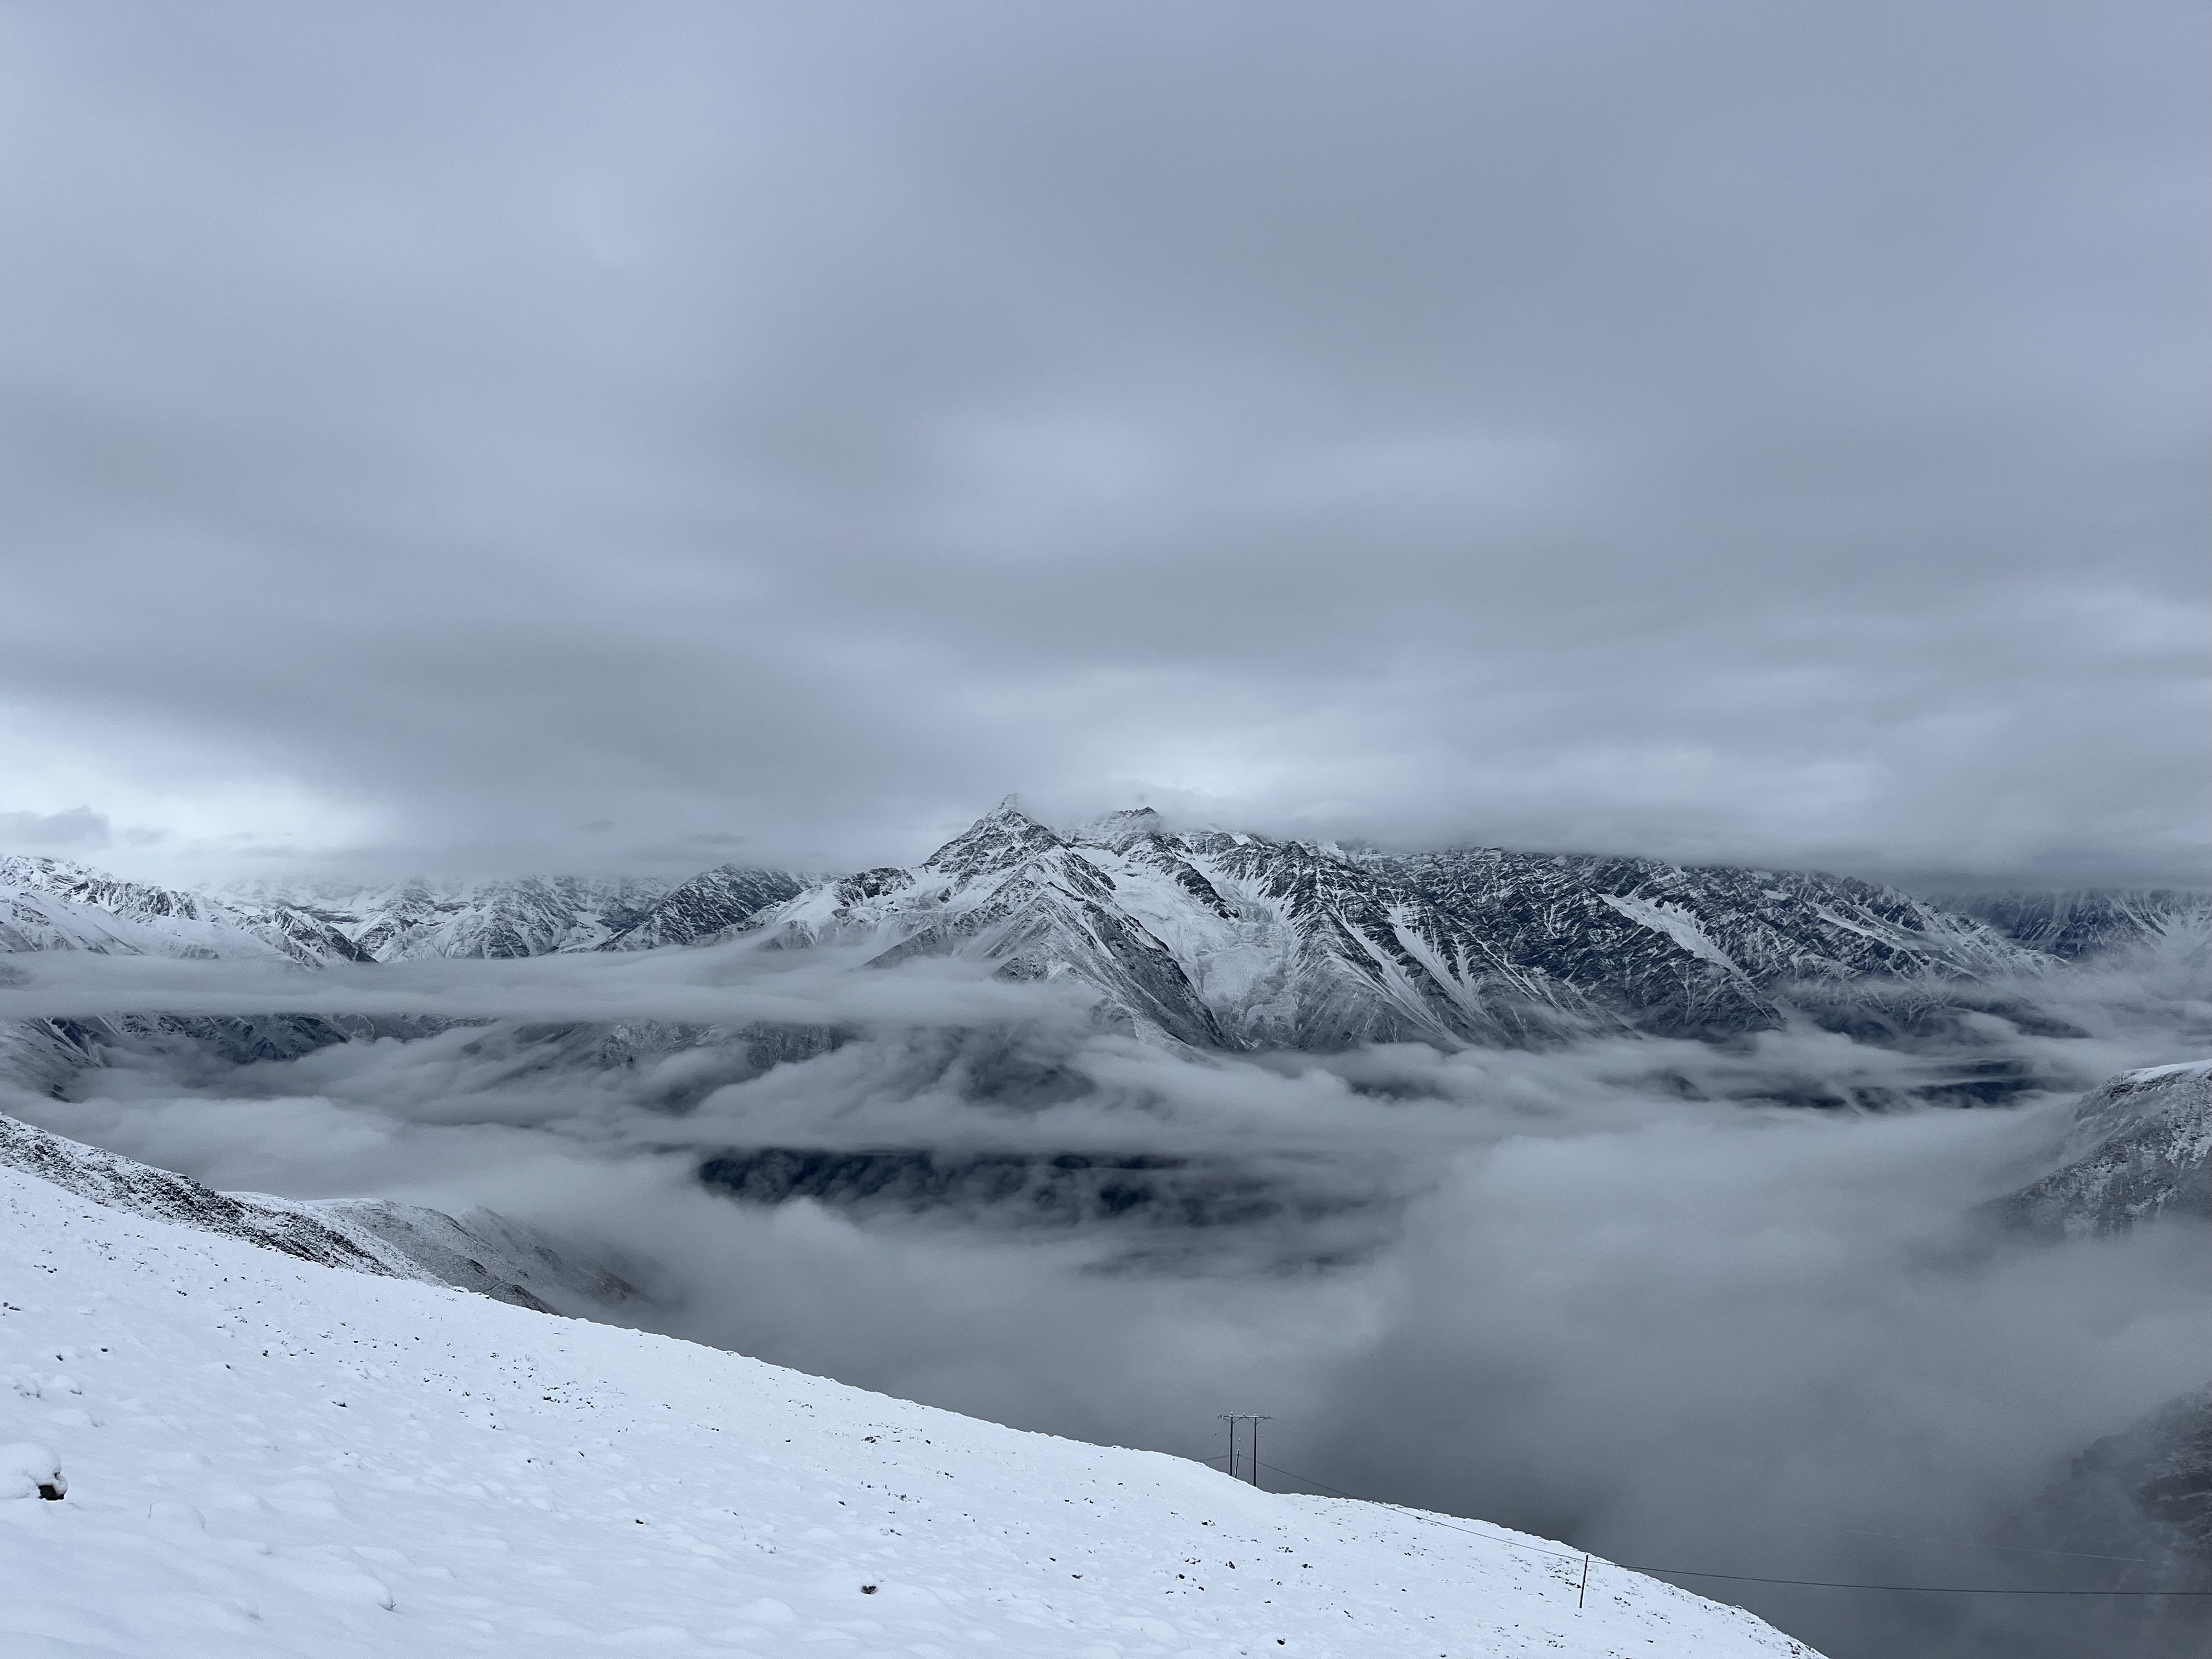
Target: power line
1916,1590
1745,1577
2002,1549
1232,1418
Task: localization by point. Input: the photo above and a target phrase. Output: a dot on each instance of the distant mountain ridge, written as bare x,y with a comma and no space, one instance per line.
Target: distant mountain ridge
1229,940
1211,938
533,916
2077,924
52,904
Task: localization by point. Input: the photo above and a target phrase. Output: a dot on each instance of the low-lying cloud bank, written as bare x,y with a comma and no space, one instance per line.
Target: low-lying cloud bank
1607,1290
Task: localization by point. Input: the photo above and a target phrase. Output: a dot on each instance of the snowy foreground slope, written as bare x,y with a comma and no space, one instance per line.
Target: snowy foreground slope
268,1456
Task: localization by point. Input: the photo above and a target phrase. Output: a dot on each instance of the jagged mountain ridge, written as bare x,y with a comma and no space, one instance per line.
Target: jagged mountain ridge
1240,941
704,907
1207,938
522,916
535,915
51,904
2076,925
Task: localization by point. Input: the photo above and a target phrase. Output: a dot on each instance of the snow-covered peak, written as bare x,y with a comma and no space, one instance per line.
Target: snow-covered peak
1002,838
1119,830
710,904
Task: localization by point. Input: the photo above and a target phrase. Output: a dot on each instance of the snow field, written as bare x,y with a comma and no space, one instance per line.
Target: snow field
270,1457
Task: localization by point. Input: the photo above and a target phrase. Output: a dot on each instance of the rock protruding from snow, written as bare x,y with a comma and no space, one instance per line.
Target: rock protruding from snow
2139,1146
30,1471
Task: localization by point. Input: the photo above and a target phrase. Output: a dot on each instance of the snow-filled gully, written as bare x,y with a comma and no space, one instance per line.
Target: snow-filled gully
269,1457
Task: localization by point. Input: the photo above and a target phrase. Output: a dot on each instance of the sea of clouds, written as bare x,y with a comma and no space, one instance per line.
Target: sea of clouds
1608,1292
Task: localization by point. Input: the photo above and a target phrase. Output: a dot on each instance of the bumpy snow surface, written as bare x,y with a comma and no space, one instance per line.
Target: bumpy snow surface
263,1456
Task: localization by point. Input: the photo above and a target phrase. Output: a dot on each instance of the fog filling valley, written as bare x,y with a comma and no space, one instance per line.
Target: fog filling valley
1729,1306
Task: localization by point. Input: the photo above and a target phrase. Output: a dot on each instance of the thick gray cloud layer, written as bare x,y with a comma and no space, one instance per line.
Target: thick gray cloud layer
1715,431
1589,1290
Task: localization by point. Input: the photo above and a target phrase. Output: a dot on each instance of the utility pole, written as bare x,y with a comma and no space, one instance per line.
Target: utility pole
1232,1418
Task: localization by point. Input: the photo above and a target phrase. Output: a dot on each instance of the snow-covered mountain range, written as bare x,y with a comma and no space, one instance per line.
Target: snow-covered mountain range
528,916
250,1454
1215,939
2080,924
51,904
1240,941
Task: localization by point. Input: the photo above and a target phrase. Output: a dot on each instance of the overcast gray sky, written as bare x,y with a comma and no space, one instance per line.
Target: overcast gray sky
492,436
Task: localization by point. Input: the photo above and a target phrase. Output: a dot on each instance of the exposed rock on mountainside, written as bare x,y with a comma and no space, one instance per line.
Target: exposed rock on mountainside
2138,1147
49,904
520,916
2072,926
1042,1189
537,916
481,1252
706,905
43,1054
1690,951
1202,938
1240,941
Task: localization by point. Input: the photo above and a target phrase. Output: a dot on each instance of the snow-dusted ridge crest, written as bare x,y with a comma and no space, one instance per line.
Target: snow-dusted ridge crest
1212,938
1222,939
481,1251
266,1457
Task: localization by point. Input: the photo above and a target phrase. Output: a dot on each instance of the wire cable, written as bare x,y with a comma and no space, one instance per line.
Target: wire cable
1747,1577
